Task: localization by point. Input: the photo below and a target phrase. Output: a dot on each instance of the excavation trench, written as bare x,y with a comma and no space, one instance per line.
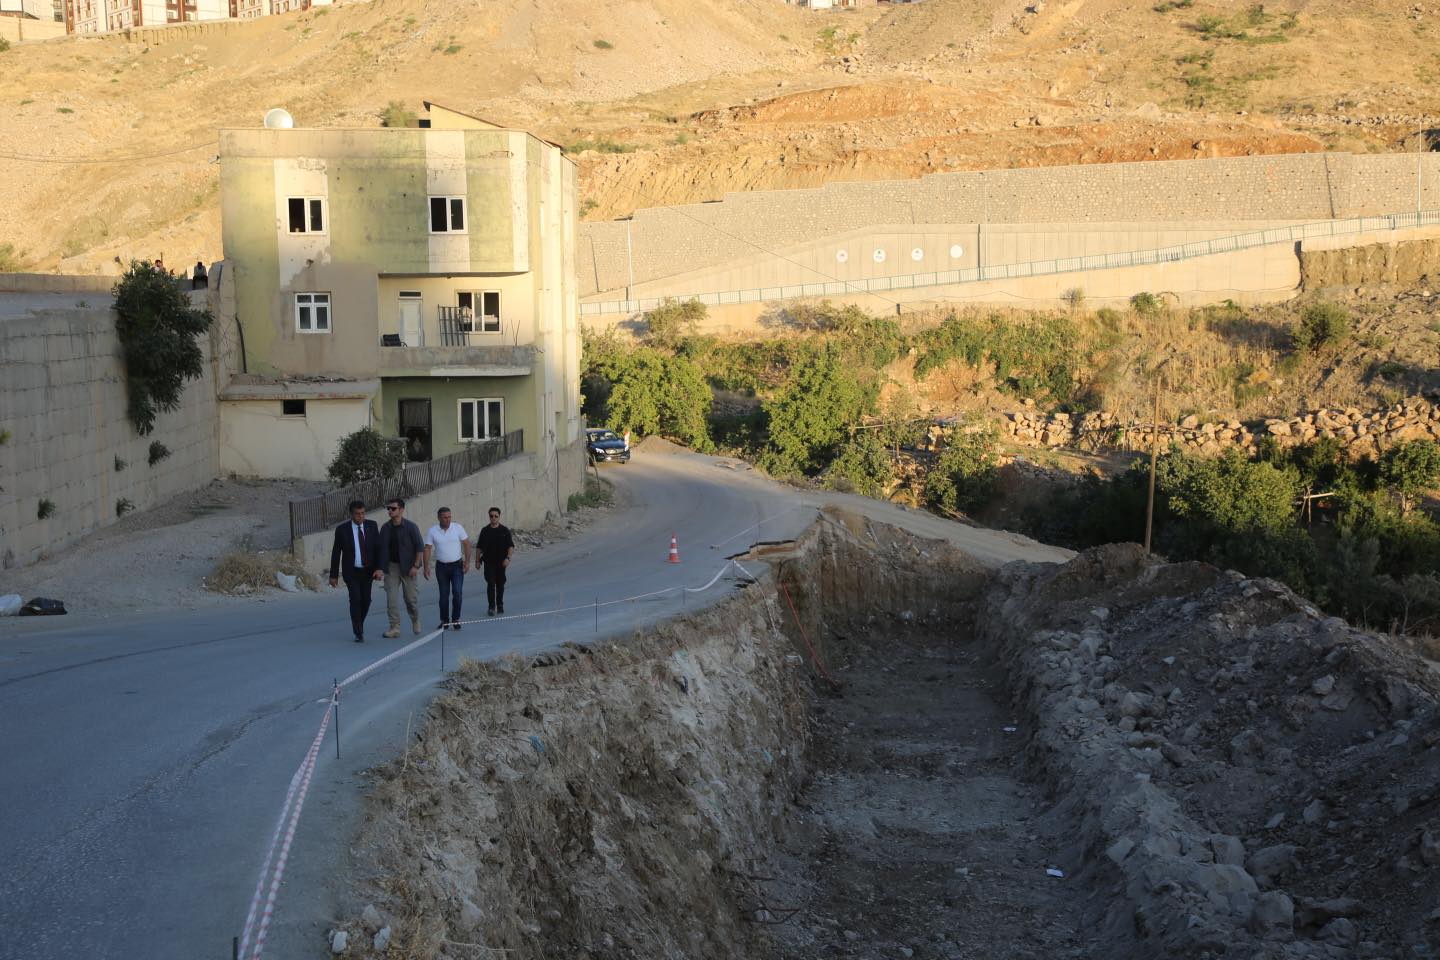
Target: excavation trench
1077,761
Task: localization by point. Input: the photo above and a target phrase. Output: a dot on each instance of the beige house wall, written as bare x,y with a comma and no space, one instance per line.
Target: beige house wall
20,29
258,440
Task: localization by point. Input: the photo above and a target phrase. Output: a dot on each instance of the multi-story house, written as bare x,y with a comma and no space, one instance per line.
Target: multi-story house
98,16
418,280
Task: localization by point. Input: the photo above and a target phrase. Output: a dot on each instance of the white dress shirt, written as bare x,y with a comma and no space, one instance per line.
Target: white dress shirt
359,554
446,542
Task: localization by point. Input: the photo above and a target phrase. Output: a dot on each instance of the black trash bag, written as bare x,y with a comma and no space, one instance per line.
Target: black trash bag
43,607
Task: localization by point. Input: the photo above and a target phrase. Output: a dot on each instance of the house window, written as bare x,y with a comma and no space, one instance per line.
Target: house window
307,214
292,408
447,214
483,306
482,419
312,312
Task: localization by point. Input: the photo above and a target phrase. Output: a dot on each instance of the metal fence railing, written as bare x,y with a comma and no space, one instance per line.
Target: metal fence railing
1036,268
329,509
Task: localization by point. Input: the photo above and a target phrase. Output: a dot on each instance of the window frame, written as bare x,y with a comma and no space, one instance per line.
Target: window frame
312,303
291,414
448,213
307,213
479,319
480,418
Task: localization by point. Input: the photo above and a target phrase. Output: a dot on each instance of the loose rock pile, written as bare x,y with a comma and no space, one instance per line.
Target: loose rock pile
1362,433
1252,779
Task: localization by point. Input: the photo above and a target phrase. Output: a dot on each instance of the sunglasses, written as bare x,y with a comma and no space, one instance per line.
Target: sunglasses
392,509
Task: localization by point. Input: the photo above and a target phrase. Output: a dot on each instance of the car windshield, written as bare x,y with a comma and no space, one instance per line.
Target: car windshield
603,435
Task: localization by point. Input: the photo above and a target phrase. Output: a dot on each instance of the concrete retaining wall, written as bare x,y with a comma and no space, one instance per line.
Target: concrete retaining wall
62,405
527,489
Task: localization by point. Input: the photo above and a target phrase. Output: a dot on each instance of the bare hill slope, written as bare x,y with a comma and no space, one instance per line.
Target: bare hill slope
681,101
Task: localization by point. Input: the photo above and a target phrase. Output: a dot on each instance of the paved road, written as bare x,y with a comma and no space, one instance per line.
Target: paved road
143,762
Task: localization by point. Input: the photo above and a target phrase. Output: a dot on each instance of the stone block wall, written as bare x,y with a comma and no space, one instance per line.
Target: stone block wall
68,439
1363,433
664,241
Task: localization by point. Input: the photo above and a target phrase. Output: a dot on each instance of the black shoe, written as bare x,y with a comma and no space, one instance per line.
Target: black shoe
454,626
490,612
500,609
359,638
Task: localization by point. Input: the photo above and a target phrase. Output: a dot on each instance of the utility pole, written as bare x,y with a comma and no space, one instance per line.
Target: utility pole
1154,455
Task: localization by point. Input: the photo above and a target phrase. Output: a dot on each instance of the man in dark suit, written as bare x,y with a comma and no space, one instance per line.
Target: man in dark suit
356,557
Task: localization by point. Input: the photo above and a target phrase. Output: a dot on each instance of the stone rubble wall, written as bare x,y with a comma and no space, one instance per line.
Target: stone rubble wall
1362,433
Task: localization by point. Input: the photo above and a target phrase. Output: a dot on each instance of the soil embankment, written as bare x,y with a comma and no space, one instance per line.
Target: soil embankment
1114,757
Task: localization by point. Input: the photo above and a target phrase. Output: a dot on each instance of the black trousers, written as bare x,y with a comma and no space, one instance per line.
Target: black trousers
358,584
495,585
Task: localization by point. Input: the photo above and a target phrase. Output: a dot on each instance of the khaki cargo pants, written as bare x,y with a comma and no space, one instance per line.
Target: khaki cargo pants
396,583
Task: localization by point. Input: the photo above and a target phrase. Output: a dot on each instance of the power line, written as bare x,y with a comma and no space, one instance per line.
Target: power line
129,159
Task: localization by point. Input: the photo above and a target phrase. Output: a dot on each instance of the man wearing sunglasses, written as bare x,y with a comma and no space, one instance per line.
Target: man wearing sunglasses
401,551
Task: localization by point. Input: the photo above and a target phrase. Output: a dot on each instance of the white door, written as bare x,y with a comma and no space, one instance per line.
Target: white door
412,330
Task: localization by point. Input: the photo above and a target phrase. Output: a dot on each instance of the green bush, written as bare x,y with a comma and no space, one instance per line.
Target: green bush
364,455
159,332
671,322
11,259
604,45
863,465
123,506
1410,469
396,114
158,452
809,417
1147,304
1321,325
1035,359
655,393
45,509
962,479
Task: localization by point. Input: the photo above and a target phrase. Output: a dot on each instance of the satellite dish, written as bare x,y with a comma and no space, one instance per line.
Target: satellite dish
278,119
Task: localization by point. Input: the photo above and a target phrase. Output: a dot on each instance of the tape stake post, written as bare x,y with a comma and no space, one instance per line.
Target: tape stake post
597,614
337,718
442,648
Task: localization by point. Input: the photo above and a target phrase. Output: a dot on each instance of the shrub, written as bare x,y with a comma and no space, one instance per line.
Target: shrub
120,463
809,417
672,321
4,44
396,114
158,452
862,466
962,479
655,393
1074,298
597,493
1321,325
11,259
604,45
1409,469
1147,304
45,509
366,455
1034,359
244,572
158,330
123,506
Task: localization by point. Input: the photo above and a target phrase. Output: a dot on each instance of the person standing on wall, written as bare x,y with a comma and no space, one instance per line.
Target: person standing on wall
401,551
493,548
449,545
355,556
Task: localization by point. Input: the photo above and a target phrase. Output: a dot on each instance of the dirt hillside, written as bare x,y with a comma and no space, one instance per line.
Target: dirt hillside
664,101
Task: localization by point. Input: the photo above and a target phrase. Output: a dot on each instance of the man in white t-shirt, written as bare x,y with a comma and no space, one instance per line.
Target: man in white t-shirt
449,546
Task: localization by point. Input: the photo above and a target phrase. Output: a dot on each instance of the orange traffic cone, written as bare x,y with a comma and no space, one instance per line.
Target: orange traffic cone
674,550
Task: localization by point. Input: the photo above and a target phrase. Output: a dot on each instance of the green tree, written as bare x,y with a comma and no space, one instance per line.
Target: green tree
667,326
655,393
963,478
1321,325
1410,469
364,455
809,417
1229,493
159,335
863,465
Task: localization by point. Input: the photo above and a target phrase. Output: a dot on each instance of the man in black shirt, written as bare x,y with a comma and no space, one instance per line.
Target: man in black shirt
493,549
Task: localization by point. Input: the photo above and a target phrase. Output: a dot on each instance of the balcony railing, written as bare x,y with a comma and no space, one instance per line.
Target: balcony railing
460,327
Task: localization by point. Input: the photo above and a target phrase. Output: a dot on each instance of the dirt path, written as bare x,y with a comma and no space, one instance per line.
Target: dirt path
919,835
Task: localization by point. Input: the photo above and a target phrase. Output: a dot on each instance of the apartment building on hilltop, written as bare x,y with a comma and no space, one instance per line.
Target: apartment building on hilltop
418,280
100,16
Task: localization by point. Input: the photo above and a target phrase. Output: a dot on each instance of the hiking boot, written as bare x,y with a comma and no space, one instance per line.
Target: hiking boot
392,633
490,612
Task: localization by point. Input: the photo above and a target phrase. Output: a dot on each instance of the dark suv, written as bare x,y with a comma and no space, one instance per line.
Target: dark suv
606,445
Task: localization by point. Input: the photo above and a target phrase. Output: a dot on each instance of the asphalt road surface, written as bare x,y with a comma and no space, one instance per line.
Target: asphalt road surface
143,761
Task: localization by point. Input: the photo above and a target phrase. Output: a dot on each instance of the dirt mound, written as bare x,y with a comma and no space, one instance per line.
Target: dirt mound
1260,778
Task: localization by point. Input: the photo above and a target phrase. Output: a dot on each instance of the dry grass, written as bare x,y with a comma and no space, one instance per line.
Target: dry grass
245,571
